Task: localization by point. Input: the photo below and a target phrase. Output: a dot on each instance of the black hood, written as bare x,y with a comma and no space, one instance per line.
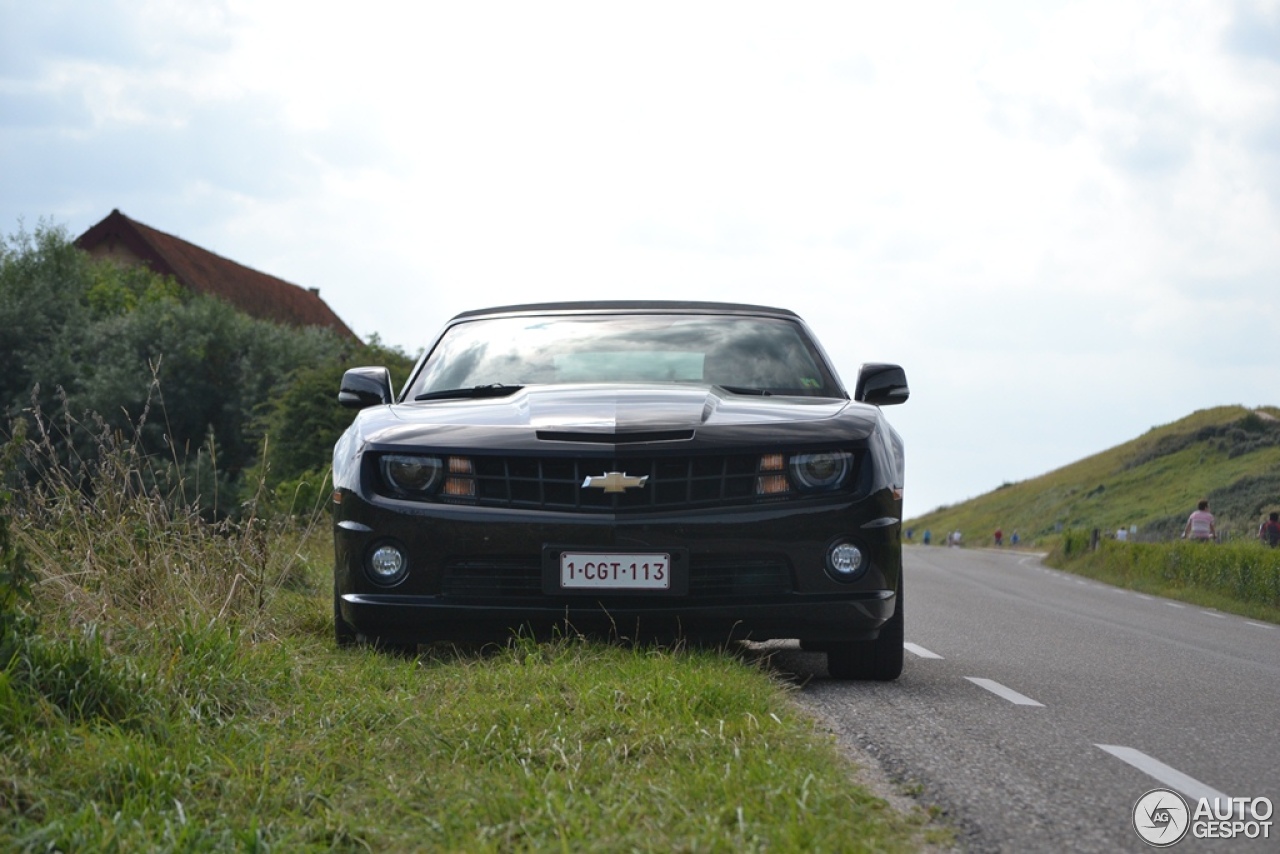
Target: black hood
538,415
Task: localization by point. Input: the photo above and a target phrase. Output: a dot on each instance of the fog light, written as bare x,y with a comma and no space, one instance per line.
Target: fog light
846,561
387,564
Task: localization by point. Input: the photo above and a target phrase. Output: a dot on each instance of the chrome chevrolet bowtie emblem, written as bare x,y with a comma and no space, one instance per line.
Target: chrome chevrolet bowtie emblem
614,481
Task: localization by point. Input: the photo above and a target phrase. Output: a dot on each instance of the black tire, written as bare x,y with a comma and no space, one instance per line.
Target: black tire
343,632
879,660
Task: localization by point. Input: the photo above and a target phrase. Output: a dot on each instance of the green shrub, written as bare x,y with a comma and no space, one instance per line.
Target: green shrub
187,377
1075,542
1239,570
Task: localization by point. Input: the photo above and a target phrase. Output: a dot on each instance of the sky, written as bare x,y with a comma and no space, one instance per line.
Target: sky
1062,218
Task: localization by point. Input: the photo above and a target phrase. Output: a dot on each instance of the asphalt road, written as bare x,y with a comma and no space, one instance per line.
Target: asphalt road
1036,707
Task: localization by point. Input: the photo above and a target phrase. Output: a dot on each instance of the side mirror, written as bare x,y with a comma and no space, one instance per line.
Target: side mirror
881,385
363,387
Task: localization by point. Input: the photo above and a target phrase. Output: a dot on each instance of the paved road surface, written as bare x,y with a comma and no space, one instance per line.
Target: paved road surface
1037,707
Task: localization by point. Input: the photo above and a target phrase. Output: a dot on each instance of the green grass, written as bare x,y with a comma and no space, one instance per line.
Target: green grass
569,745
168,684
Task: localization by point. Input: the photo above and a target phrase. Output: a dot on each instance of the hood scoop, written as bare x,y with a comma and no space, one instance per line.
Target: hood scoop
635,437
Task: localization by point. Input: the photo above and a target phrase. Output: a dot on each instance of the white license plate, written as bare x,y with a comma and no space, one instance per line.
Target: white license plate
607,571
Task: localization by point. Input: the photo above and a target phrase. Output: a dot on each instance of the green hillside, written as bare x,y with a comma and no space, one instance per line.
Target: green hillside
1229,455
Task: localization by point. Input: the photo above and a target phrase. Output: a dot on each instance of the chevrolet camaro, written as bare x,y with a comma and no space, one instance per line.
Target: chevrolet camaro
630,469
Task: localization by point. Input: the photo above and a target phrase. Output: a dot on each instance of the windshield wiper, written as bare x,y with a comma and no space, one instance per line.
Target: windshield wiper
491,390
737,389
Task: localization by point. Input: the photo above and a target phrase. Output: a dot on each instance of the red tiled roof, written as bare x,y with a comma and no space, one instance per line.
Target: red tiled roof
256,294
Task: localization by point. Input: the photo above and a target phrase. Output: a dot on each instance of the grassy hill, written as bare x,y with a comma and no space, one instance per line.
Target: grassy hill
1229,455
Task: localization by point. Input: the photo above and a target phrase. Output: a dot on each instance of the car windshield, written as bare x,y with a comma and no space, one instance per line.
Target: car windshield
758,355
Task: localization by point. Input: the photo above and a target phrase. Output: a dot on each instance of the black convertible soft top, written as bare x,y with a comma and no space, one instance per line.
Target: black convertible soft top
661,306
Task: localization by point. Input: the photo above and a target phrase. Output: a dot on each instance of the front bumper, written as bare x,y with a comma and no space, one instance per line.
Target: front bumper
432,618
754,572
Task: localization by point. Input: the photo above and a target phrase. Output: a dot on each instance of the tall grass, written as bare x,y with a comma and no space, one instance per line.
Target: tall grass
117,558
124,533
1236,575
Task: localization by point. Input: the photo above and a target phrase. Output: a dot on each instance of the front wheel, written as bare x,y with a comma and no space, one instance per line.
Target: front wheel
879,659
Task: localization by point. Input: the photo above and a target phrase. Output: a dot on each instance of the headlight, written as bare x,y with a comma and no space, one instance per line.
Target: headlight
410,474
827,470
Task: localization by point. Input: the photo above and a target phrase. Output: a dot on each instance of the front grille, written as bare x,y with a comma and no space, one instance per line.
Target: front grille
711,577
549,483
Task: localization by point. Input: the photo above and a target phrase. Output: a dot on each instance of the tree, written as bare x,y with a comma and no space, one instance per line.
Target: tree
304,421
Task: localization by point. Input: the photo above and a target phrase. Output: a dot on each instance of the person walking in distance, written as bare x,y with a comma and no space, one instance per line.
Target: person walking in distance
1269,533
1200,526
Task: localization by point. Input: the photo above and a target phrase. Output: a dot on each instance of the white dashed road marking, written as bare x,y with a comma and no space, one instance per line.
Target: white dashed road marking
1001,691
920,651
1171,777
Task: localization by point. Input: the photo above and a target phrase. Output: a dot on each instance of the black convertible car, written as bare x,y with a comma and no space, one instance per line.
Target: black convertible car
637,469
